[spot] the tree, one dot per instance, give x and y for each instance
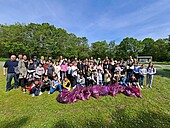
(111, 49)
(129, 46)
(99, 49)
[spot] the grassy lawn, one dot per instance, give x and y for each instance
(18, 110)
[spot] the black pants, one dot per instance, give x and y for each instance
(22, 82)
(43, 88)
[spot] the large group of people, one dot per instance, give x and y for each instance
(38, 76)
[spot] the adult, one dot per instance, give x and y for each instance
(9, 70)
(22, 72)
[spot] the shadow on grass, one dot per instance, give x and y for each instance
(15, 123)
(121, 119)
(163, 72)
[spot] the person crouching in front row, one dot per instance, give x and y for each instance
(56, 85)
(66, 83)
(35, 87)
(46, 84)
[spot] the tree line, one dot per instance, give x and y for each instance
(48, 40)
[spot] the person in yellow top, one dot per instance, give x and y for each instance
(66, 84)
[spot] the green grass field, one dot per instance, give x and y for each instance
(18, 110)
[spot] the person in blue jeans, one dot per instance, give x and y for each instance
(151, 72)
(56, 85)
(9, 70)
(142, 73)
(35, 87)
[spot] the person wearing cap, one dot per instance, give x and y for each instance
(9, 70)
(35, 62)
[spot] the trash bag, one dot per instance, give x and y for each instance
(63, 96)
(84, 93)
(114, 89)
(104, 90)
(87, 93)
(95, 91)
(132, 91)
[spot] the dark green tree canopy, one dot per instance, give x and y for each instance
(48, 40)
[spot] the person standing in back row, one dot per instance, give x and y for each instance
(9, 69)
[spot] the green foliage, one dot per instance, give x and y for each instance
(129, 46)
(45, 39)
(99, 49)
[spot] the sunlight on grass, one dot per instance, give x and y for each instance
(21, 110)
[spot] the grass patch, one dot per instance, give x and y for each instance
(3, 59)
(18, 110)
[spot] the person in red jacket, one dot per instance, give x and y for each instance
(35, 87)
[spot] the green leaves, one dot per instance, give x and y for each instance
(45, 39)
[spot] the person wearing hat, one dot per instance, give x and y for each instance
(35, 62)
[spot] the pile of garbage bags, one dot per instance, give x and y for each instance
(84, 93)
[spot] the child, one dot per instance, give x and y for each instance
(107, 77)
(99, 76)
(142, 73)
(130, 68)
(81, 81)
(30, 73)
(50, 70)
(46, 84)
(123, 80)
(136, 71)
(74, 70)
(66, 84)
(117, 72)
(94, 77)
(134, 82)
(63, 70)
(151, 71)
(56, 85)
(35, 87)
(57, 69)
(40, 70)
(88, 79)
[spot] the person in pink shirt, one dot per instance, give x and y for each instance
(63, 69)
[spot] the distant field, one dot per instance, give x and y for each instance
(18, 110)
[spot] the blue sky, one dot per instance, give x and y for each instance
(95, 19)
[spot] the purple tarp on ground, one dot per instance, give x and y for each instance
(84, 93)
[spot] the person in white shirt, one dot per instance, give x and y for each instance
(142, 73)
(151, 71)
(57, 68)
(74, 70)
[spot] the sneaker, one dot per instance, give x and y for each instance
(33, 95)
(74, 87)
(40, 93)
(49, 92)
(141, 86)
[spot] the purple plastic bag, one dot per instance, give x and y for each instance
(84, 93)
(104, 90)
(62, 97)
(95, 91)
